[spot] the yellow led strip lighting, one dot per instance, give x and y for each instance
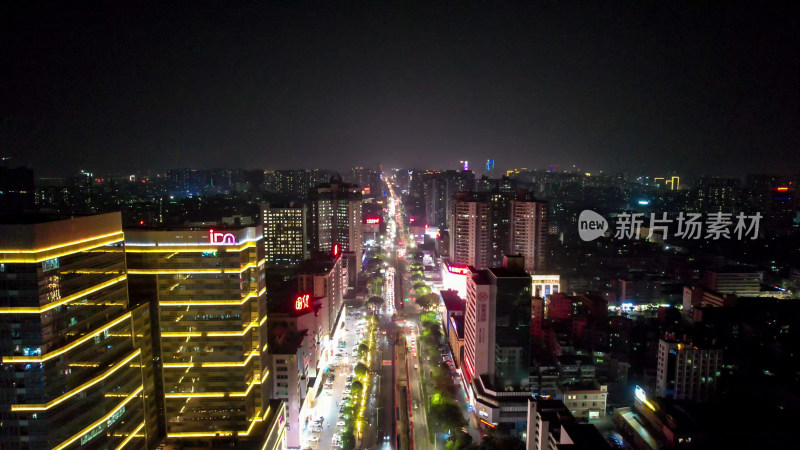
(62, 350)
(91, 427)
(213, 364)
(130, 436)
(233, 333)
(210, 302)
(191, 271)
(252, 421)
(66, 244)
(244, 393)
(193, 435)
(166, 248)
(177, 334)
(49, 306)
(34, 258)
(77, 390)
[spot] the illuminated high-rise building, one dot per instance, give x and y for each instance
(686, 371)
(326, 276)
(497, 347)
(336, 217)
(77, 361)
(485, 226)
(284, 235)
(528, 234)
(470, 230)
(211, 294)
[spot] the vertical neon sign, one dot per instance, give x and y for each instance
(301, 302)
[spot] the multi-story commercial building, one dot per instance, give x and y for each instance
(284, 235)
(451, 305)
(687, 372)
(544, 285)
(288, 363)
(497, 347)
(456, 339)
(511, 293)
(298, 313)
(741, 281)
(498, 312)
(550, 425)
(210, 289)
(336, 223)
(76, 371)
(529, 232)
(325, 276)
(479, 324)
(586, 400)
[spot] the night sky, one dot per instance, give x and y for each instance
(649, 87)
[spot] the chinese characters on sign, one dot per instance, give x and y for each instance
(713, 226)
(301, 302)
(689, 226)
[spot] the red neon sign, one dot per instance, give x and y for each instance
(373, 220)
(301, 302)
(411, 220)
(221, 238)
(782, 189)
(458, 270)
(335, 250)
(488, 423)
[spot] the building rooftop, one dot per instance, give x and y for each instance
(32, 218)
(319, 264)
(452, 302)
(284, 341)
(480, 276)
(505, 272)
(583, 436)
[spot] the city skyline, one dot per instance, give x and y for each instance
(640, 88)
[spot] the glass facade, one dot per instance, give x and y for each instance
(513, 320)
(211, 298)
(71, 374)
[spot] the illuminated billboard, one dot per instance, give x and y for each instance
(221, 238)
(454, 276)
(373, 220)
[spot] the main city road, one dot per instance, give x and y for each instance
(409, 364)
(328, 401)
(420, 367)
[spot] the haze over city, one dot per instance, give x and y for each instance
(399, 225)
(642, 87)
